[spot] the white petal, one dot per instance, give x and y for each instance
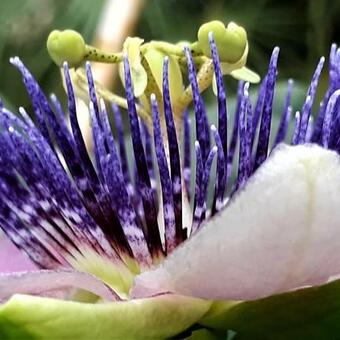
(11, 258)
(47, 282)
(281, 232)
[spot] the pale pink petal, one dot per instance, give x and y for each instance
(12, 259)
(45, 281)
(281, 232)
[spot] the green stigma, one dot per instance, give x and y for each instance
(67, 46)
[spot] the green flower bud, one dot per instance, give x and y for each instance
(67, 46)
(231, 41)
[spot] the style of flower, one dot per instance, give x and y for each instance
(152, 269)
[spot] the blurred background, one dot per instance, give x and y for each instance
(304, 29)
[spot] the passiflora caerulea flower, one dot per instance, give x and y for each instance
(144, 256)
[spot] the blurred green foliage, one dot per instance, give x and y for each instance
(304, 29)
(24, 27)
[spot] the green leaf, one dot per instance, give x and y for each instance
(311, 313)
(30, 317)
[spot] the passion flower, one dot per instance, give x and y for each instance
(121, 257)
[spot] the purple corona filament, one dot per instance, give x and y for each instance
(202, 126)
(187, 152)
(221, 174)
(285, 116)
(234, 135)
(174, 156)
(55, 201)
(266, 116)
(221, 97)
(122, 147)
(167, 185)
